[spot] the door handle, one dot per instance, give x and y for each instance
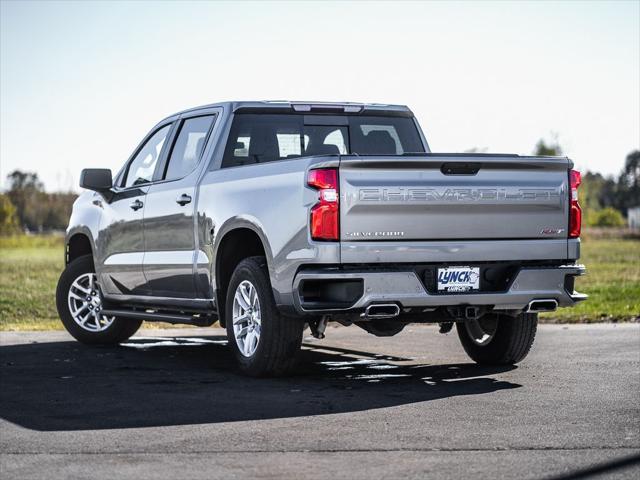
(183, 199)
(136, 205)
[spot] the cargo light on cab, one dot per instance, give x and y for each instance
(324, 221)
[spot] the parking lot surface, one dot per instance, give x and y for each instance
(168, 404)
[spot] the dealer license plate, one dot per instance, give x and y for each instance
(458, 279)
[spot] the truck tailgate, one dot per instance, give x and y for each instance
(462, 197)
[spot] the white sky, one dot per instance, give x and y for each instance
(81, 83)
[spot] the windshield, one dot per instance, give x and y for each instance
(260, 138)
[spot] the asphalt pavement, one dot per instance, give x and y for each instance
(168, 404)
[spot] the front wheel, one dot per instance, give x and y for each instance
(264, 342)
(79, 303)
(498, 339)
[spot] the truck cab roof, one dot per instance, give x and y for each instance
(288, 106)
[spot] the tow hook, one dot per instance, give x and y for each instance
(318, 327)
(466, 312)
(472, 313)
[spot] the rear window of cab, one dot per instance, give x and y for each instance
(261, 138)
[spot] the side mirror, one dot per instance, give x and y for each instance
(97, 179)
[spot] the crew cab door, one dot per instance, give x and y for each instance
(169, 229)
(121, 237)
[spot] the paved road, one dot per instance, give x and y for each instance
(168, 404)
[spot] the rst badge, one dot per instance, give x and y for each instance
(458, 279)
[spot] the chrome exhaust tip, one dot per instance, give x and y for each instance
(545, 305)
(382, 310)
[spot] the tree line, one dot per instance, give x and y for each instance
(604, 200)
(26, 207)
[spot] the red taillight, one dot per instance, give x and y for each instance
(575, 212)
(325, 215)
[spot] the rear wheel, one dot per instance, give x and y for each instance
(79, 303)
(264, 342)
(498, 339)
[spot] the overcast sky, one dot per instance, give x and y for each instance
(81, 83)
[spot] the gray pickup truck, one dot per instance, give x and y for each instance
(271, 217)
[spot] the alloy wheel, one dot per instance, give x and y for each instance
(85, 304)
(247, 318)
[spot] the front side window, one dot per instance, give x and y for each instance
(188, 146)
(141, 168)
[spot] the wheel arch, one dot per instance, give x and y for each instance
(78, 243)
(237, 241)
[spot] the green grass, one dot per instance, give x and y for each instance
(612, 283)
(29, 272)
(30, 267)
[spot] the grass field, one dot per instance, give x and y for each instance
(30, 267)
(612, 283)
(29, 271)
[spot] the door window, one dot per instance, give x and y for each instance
(188, 147)
(141, 168)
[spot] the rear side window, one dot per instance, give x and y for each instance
(188, 147)
(260, 138)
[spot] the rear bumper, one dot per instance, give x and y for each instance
(407, 290)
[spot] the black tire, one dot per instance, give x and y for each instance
(510, 344)
(121, 328)
(280, 336)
